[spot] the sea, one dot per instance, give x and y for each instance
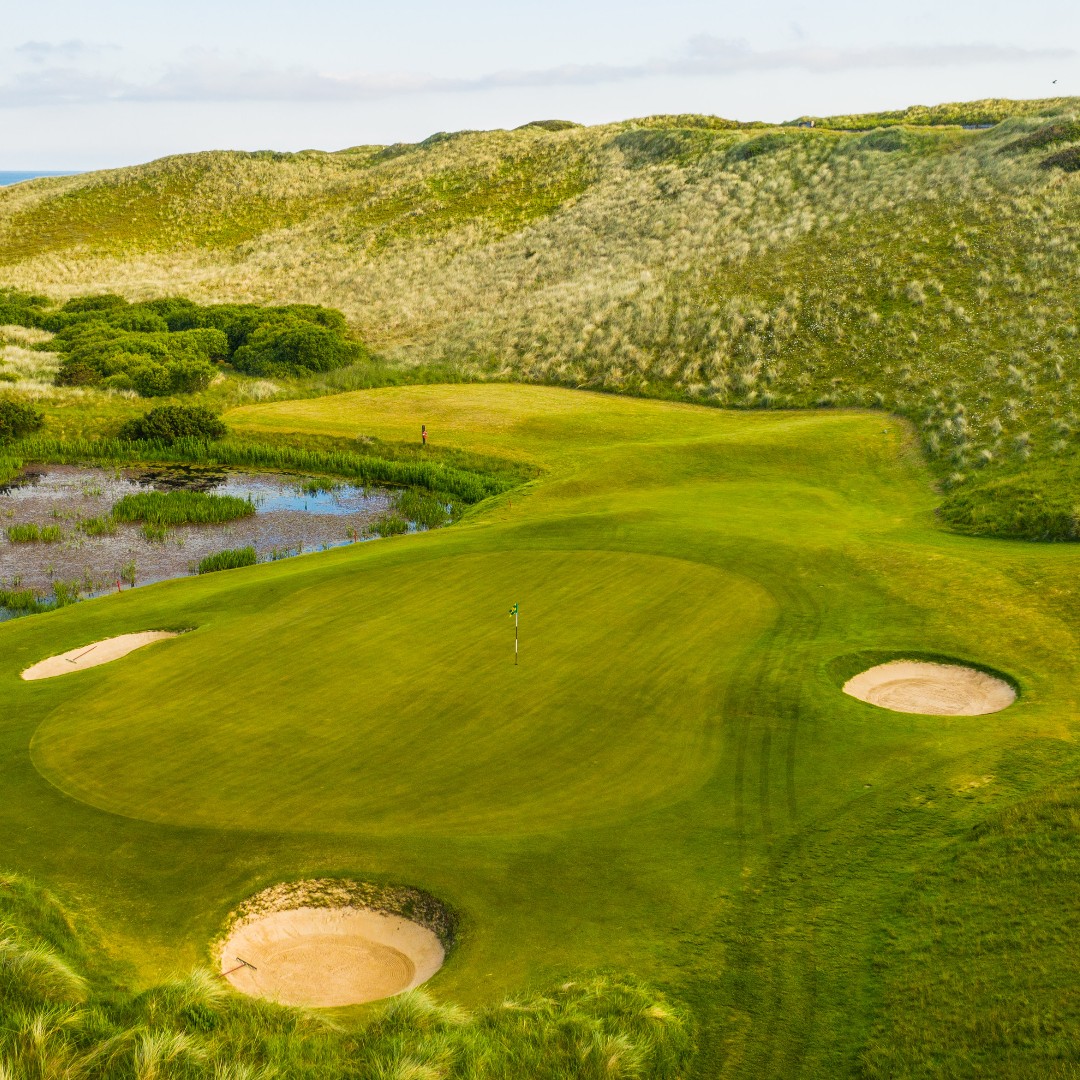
(7, 178)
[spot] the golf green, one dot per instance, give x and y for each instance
(671, 782)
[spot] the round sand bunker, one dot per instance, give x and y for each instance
(321, 944)
(916, 686)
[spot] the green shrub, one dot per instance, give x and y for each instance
(170, 346)
(292, 347)
(167, 423)
(18, 418)
(230, 559)
(21, 309)
(182, 508)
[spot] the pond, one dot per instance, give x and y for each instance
(292, 515)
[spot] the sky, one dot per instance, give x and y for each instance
(117, 82)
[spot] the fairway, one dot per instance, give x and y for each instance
(672, 782)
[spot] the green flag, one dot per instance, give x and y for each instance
(514, 610)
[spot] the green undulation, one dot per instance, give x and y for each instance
(181, 508)
(230, 559)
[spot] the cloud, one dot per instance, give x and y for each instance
(41, 52)
(213, 78)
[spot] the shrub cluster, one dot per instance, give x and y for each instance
(18, 418)
(171, 346)
(167, 423)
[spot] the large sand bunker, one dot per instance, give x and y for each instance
(333, 949)
(87, 656)
(915, 686)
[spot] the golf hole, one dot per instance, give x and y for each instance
(88, 656)
(933, 689)
(322, 944)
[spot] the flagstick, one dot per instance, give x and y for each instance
(515, 636)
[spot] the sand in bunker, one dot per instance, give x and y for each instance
(87, 656)
(931, 689)
(321, 957)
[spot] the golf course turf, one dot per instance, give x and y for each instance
(671, 783)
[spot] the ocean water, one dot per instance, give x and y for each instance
(7, 178)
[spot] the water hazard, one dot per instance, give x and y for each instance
(291, 516)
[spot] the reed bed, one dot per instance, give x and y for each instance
(165, 508)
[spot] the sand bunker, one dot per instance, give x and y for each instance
(87, 656)
(913, 686)
(326, 956)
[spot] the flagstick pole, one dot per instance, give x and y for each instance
(515, 639)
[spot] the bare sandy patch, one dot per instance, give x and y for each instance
(322, 957)
(88, 656)
(915, 686)
(333, 942)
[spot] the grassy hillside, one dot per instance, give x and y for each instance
(671, 786)
(925, 269)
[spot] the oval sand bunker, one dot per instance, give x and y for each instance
(915, 686)
(87, 656)
(326, 956)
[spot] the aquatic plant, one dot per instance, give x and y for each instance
(30, 533)
(104, 525)
(181, 508)
(230, 559)
(154, 532)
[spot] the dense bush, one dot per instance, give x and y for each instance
(170, 346)
(20, 309)
(294, 346)
(167, 423)
(18, 418)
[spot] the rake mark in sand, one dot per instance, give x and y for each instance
(103, 651)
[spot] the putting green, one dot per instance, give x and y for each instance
(399, 703)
